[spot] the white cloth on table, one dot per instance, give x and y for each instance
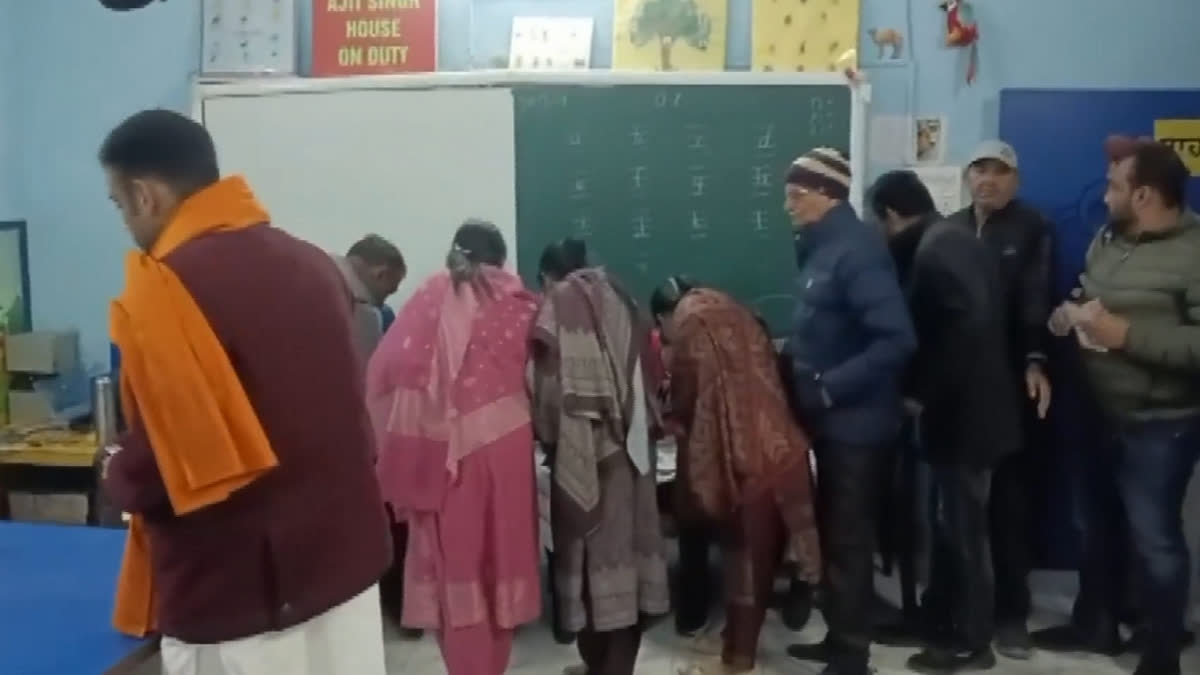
(346, 639)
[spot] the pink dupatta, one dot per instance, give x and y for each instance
(447, 380)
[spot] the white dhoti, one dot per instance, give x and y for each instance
(346, 640)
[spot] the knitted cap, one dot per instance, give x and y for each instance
(823, 170)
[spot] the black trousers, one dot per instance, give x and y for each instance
(1011, 526)
(962, 557)
(849, 490)
(611, 652)
(697, 585)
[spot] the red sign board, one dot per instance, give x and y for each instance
(360, 37)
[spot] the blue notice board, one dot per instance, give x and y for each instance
(1058, 135)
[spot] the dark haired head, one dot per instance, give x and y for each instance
(562, 258)
(1158, 167)
(379, 264)
(153, 161)
(903, 193)
(477, 242)
(664, 298)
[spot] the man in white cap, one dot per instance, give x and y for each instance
(1019, 238)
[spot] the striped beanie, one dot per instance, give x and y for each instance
(823, 170)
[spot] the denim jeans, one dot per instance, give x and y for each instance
(1154, 463)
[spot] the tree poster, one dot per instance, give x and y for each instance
(669, 34)
(813, 35)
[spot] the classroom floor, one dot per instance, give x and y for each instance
(662, 652)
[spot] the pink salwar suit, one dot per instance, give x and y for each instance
(446, 389)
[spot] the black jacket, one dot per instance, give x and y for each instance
(1019, 238)
(961, 372)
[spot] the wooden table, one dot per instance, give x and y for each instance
(49, 467)
(56, 599)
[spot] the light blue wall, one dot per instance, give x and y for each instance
(72, 70)
(10, 72)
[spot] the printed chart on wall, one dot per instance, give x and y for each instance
(658, 183)
(812, 36)
(243, 37)
(362, 37)
(669, 34)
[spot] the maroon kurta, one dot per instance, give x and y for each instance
(310, 534)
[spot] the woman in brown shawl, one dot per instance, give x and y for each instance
(743, 461)
(591, 416)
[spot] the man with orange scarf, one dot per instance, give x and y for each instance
(258, 533)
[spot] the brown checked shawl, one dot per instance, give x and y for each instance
(586, 382)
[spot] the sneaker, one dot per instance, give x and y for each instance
(1069, 638)
(1148, 666)
(817, 652)
(578, 669)
(797, 606)
(939, 661)
(1013, 641)
(708, 643)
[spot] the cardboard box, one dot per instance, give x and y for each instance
(28, 408)
(42, 353)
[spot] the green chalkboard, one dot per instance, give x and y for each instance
(671, 179)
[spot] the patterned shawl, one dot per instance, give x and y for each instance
(588, 345)
(447, 380)
(740, 440)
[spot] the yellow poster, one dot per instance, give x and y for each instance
(669, 34)
(804, 35)
(1184, 136)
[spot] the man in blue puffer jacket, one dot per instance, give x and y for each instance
(850, 344)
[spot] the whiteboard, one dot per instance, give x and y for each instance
(408, 164)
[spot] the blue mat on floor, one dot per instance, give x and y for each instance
(56, 598)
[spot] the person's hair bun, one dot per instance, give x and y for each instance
(575, 251)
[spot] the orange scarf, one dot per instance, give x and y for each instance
(177, 378)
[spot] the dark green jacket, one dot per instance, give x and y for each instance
(1153, 280)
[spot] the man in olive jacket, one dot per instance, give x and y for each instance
(1136, 318)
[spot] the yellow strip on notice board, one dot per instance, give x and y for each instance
(1184, 136)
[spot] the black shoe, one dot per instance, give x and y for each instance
(412, 633)
(939, 661)
(817, 652)
(1013, 641)
(1138, 639)
(904, 634)
(1149, 666)
(690, 629)
(797, 606)
(833, 669)
(1069, 638)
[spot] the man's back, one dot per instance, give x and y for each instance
(311, 533)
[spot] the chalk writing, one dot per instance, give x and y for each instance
(639, 177)
(579, 188)
(638, 135)
(641, 224)
(583, 226)
(665, 100)
(760, 220)
(698, 186)
(575, 138)
(767, 140)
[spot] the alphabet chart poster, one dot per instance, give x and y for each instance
(550, 43)
(245, 37)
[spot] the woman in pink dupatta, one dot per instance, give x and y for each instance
(446, 389)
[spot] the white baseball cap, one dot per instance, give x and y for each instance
(995, 149)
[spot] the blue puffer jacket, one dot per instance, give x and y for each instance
(851, 335)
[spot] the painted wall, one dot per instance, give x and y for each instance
(10, 188)
(85, 68)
